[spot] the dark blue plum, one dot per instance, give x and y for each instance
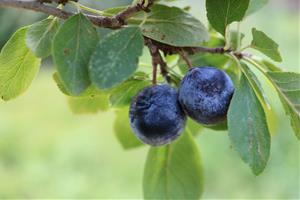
(156, 116)
(205, 94)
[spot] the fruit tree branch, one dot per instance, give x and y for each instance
(35, 6)
(114, 22)
(55, 1)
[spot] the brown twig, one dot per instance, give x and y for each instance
(184, 56)
(154, 73)
(131, 10)
(114, 22)
(169, 50)
(56, 1)
(157, 59)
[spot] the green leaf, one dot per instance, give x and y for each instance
(287, 85)
(235, 39)
(91, 91)
(221, 13)
(255, 5)
(123, 131)
(194, 127)
(90, 101)
(60, 84)
(174, 171)
(88, 104)
(18, 66)
(269, 66)
(215, 39)
(247, 127)
(40, 35)
(218, 127)
(72, 47)
(233, 71)
(254, 82)
(169, 25)
(116, 57)
(124, 93)
(265, 45)
(173, 26)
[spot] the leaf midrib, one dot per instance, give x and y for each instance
(45, 32)
(19, 67)
(290, 104)
(157, 21)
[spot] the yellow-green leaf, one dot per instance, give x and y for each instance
(18, 66)
(265, 45)
(123, 131)
(88, 104)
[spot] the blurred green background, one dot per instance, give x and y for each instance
(47, 152)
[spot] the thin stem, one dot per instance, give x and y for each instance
(185, 58)
(35, 6)
(163, 68)
(157, 59)
(144, 20)
(115, 22)
(154, 73)
(233, 57)
(63, 2)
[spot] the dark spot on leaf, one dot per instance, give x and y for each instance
(163, 37)
(187, 8)
(66, 51)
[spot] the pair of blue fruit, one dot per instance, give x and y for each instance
(158, 113)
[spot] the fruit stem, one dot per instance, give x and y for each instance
(154, 74)
(157, 59)
(184, 56)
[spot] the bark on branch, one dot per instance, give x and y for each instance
(55, 1)
(113, 22)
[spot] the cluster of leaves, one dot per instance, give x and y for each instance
(99, 68)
